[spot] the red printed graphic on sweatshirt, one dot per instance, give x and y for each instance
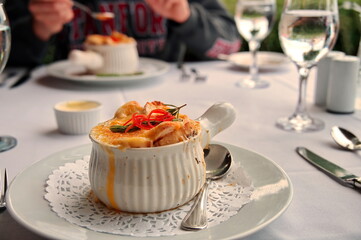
(222, 46)
(141, 19)
(158, 25)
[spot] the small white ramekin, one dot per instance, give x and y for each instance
(78, 116)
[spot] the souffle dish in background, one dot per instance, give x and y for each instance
(116, 54)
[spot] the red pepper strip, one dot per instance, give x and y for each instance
(168, 118)
(129, 128)
(126, 123)
(150, 124)
(140, 121)
(145, 122)
(158, 110)
(150, 116)
(154, 121)
(136, 119)
(161, 116)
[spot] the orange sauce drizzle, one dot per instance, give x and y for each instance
(111, 178)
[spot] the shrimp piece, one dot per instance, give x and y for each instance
(127, 110)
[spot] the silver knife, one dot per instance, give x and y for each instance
(25, 77)
(6, 76)
(336, 171)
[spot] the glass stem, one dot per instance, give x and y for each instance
(301, 103)
(253, 70)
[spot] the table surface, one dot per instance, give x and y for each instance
(321, 208)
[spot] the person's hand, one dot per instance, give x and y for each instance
(176, 10)
(49, 16)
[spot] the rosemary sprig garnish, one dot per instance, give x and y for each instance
(175, 110)
(121, 128)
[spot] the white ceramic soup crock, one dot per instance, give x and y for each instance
(144, 180)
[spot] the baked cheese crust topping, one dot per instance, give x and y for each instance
(113, 39)
(156, 128)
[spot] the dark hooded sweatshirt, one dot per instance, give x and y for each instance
(209, 31)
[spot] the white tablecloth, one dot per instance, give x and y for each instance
(321, 208)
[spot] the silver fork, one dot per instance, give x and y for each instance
(4, 186)
(185, 76)
(198, 76)
(180, 64)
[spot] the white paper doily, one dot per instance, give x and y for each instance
(70, 197)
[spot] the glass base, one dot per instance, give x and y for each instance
(7, 143)
(300, 123)
(250, 83)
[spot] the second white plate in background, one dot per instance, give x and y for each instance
(265, 60)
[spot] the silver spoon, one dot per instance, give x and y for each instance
(345, 138)
(218, 161)
(101, 16)
(199, 77)
(4, 185)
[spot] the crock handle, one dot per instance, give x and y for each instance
(217, 118)
(89, 59)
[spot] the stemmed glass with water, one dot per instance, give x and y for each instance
(6, 142)
(254, 19)
(307, 32)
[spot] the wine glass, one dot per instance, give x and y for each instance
(6, 142)
(307, 32)
(254, 20)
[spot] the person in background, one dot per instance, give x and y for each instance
(46, 30)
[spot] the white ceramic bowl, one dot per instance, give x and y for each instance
(144, 180)
(77, 117)
(121, 58)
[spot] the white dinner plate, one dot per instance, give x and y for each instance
(148, 69)
(265, 60)
(271, 197)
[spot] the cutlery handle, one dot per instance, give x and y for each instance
(357, 183)
(354, 182)
(23, 78)
(83, 7)
(4, 184)
(196, 219)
